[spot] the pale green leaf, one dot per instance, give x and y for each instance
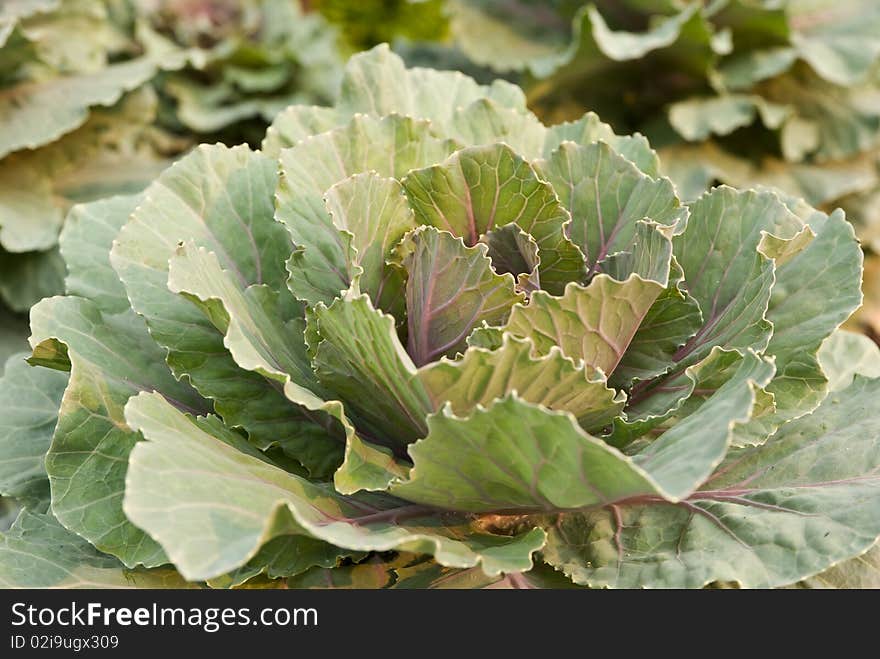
(742, 70)
(653, 402)
(377, 82)
(838, 122)
(772, 515)
(815, 291)
(484, 122)
(36, 113)
(85, 242)
(589, 129)
(362, 361)
(694, 168)
(514, 456)
(75, 36)
(481, 376)
(696, 119)
(840, 41)
(593, 324)
(221, 505)
(209, 108)
(504, 41)
(600, 61)
(846, 354)
(111, 358)
(29, 216)
(262, 329)
(686, 454)
(29, 401)
(118, 150)
(373, 215)
(295, 124)
(649, 255)
(37, 552)
(621, 45)
(606, 196)
(724, 271)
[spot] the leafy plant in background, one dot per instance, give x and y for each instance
(257, 57)
(423, 340)
(782, 93)
(98, 96)
(364, 24)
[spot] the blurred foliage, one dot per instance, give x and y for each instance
(98, 96)
(370, 22)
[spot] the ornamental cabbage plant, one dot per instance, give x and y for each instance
(421, 339)
(97, 97)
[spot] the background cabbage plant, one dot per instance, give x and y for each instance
(99, 96)
(420, 339)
